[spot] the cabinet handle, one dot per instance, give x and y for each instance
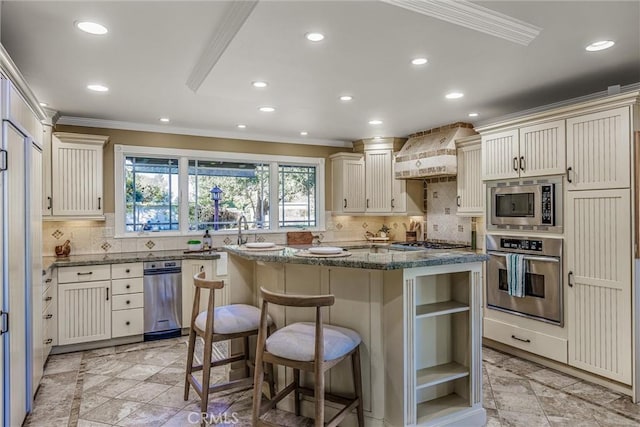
(522, 163)
(128, 302)
(367, 203)
(48, 298)
(458, 201)
(128, 286)
(345, 203)
(515, 164)
(127, 271)
(48, 316)
(570, 279)
(3, 160)
(127, 323)
(520, 339)
(50, 202)
(5, 323)
(107, 294)
(99, 202)
(85, 274)
(48, 341)
(393, 203)
(569, 169)
(48, 281)
(201, 268)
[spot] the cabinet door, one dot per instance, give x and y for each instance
(542, 149)
(378, 181)
(599, 293)
(84, 312)
(352, 185)
(500, 155)
(470, 188)
(77, 178)
(598, 150)
(189, 269)
(398, 193)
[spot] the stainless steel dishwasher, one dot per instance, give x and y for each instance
(162, 299)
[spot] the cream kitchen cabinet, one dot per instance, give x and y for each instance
(534, 150)
(84, 304)
(127, 308)
(599, 150)
(378, 181)
(213, 270)
(470, 197)
(76, 177)
(348, 182)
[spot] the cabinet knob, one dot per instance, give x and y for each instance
(48, 298)
(128, 286)
(48, 281)
(127, 271)
(128, 302)
(127, 323)
(48, 316)
(48, 341)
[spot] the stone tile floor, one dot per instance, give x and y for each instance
(142, 385)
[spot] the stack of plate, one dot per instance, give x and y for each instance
(260, 245)
(325, 250)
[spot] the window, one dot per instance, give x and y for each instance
(151, 194)
(243, 189)
(297, 196)
(182, 192)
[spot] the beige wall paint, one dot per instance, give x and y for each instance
(188, 142)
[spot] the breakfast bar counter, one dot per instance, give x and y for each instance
(418, 313)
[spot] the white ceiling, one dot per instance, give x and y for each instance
(153, 46)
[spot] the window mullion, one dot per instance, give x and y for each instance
(183, 197)
(274, 205)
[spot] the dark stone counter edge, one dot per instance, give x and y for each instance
(124, 257)
(427, 260)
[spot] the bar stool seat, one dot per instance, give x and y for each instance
(232, 319)
(298, 340)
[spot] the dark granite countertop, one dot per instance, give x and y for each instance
(366, 256)
(119, 258)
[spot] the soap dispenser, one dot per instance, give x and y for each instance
(206, 241)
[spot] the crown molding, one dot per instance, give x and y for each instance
(235, 16)
(143, 127)
(473, 16)
(9, 68)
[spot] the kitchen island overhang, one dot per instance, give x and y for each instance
(419, 315)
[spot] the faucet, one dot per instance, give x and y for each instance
(241, 240)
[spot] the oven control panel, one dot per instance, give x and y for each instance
(521, 244)
(547, 192)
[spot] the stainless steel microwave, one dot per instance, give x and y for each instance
(526, 205)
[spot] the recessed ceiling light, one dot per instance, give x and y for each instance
(346, 98)
(92, 28)
(473, 114)
(304, 133)
(314, 37)
(600, 45)
(267, 109)
(375, 122)
(377, 138)
(44, 104)
(259, 84)
(241, 126)
(97, 88)
(164, 119)
(419, 61)
(454, 95)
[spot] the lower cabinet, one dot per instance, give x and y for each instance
(214, 270)
(127, 322)
(85, 312)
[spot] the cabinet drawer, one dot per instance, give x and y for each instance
(50, 327)
(127, 286)
(525, 339)
(128, 322)
(84, 274)
(125, 302)
(123, 271)
(48, 297)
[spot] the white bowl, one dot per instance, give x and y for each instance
(260, 245)
(325, 250)
(193, 247)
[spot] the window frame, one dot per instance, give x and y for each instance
(183, 156)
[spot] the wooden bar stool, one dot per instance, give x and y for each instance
(312, 347)
(220, 324)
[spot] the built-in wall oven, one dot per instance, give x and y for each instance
(525, 205)
(543, 277)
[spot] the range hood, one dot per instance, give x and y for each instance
(431, 153)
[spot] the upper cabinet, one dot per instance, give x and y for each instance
(470, 197)
(76, 177)
(528, 151)
(599, 150)
(364, 183)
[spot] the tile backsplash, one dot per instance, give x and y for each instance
(442, 221)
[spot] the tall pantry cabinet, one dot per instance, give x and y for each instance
(20, 242)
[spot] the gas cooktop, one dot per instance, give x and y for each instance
(434, 245)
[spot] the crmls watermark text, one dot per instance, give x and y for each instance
(211, 419)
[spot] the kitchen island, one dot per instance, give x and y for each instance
(418, 313)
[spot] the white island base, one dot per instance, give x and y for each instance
(421, 330)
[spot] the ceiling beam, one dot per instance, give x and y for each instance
(473, 16)
(231, 22)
